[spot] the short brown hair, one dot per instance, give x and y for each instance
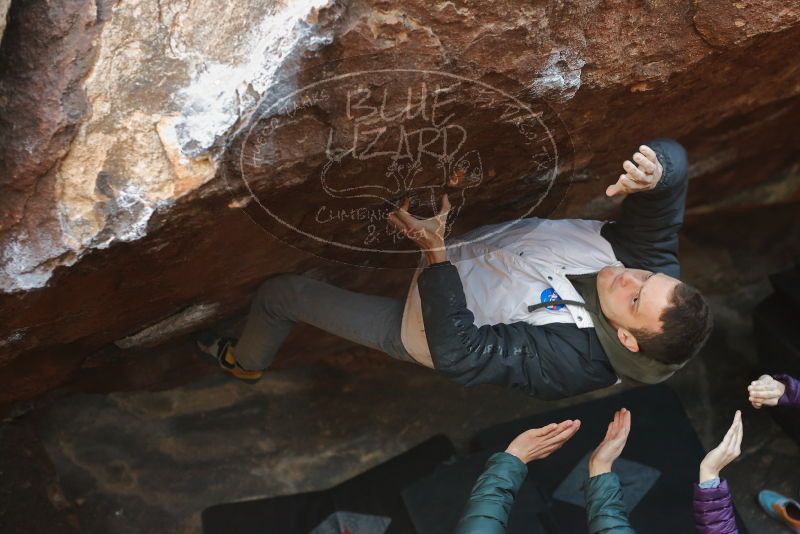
(687, 324)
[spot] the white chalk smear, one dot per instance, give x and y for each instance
(560, 77)
(221, 93)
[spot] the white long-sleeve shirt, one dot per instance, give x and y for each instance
(506, 267)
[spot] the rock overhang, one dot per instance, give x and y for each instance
(125, 177)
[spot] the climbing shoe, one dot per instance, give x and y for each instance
(781, 508)
(219, 350)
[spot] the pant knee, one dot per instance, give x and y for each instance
(278, 290)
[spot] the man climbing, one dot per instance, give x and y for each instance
(553, 307)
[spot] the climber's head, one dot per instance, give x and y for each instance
(654, 314)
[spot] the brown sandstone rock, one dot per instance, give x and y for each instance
(132, 134)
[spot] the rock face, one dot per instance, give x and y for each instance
(152, 152)
(4, 5)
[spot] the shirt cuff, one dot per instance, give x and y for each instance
(445, 262)
(713, 483)
(608, 477)
(508, 457)
(790, 392)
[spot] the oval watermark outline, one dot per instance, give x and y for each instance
(554, 172)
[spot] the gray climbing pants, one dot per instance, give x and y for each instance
(285, 299)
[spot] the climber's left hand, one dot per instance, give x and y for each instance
(428, 234)
(641, 177)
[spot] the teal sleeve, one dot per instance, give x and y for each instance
(493, 495)
(604, 506)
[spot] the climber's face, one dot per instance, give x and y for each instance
(633, 300)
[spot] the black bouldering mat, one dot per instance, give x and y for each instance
(661, 460)
(369, 503)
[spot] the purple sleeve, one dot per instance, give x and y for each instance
(713, 510)
(791, 397)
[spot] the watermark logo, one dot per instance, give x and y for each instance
(330, 153)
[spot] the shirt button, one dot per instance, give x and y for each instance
(580, 318)
(549, 277)
(521, 253)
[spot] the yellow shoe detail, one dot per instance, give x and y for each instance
(230, 359)
(237, 371)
